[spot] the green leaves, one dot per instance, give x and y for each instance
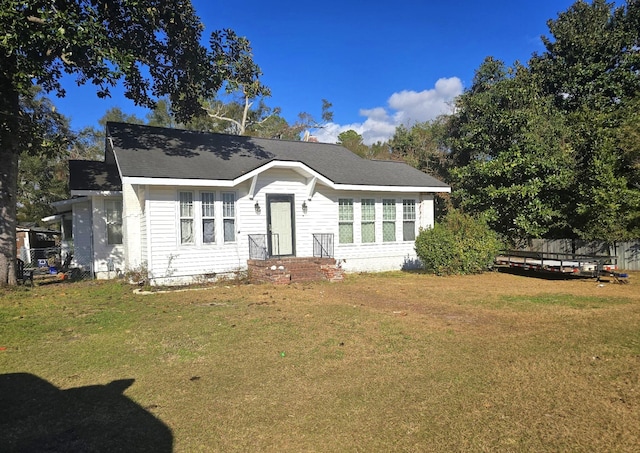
(460, 244)
(422, 146)
(43, 169)
(152, 46)
(233, 58)
(591, 68)
(591, 57)
(353, 142)
(509, 153)
(551, 149)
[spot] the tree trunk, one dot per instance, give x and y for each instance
(9, 152)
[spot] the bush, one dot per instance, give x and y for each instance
(460, 244)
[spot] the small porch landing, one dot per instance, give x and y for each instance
(283, 271)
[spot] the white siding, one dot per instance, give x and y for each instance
(379, 255)
(82, 241)
(105, 253)
(133, 202)
(144, 237)
(171, 262)
(426, 211)
(286, 182)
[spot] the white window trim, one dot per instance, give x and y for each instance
(235, 216)
(193, 218)
(375, 221)
(107, 222)
(352, 222)
(414, 220)
(202, 218)
(198, 217)
(395, 220)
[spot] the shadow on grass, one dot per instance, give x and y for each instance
(36, 416)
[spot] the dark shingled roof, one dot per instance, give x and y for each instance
(153, 152)
(92, 175)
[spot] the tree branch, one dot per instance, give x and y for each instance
(218, 115)
(65, 59)
(36, 20)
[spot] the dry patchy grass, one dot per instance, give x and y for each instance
(388, 362)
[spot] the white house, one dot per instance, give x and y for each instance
(184, 205)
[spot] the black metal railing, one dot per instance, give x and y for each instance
(323, 245)
(258, 247)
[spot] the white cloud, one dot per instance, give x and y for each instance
(406, 107)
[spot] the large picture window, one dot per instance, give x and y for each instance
(186, 218)
(368, 220)
(345, 221)
(408, 220)
(113, 212)
(207, 200)
(229, 216)
(388, 220)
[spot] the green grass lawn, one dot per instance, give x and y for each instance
(388, 362)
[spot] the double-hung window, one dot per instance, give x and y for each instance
(388, 220)
(113, 211)
(229, 216)
(368, 220)
(345, 221)
(408, 220)
(207, 201)
(186, 218)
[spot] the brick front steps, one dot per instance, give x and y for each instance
(290, 270)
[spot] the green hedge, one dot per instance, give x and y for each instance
(460, 244)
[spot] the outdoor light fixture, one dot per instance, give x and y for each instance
(257, 207)
(304, 207)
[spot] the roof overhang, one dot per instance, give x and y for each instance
(96, 193)
(53, 218)
(298, 167)
(65, 205)
(404, 189)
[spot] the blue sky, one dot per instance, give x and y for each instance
(380, 64)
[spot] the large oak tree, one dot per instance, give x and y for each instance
(510, 156)
(549, 149)
(591, 67)
(152, 46)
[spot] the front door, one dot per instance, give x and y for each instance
(280, 225)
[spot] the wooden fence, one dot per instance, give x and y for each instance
(627, 253)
